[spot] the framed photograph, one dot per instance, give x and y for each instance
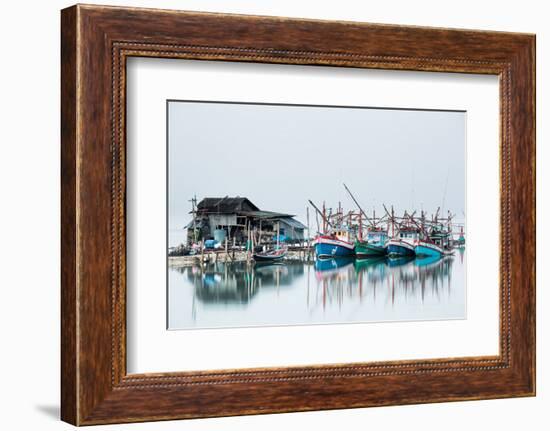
(264, 214)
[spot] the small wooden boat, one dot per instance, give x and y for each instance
(273, 255)
(270, 255)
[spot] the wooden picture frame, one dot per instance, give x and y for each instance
(95, 43)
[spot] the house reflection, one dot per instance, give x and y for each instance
(239, 282)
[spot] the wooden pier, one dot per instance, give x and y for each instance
(231, 255)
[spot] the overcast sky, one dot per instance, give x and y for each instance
(281, 156)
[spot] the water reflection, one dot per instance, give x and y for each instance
(239, 282)
(325, 291)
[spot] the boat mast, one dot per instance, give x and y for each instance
(360, 227)
(392, 222)
(307, 219)
(322, 214)
(358, 206)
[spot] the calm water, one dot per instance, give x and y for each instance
(328, 291)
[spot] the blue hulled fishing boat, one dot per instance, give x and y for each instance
(429, 248)
(335, 244)
(404, 243)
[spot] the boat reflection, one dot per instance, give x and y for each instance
(330, 279)
(334, 290)
(405, 277)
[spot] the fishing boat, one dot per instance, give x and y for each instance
(404, 243)
(373, 246)
(436, 244)
(461, 241)
(375, 243)
(334, 244)
(270, 255)
(334, 239)
(430, 248)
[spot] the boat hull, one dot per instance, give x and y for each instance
(427, 249)
(260, 258)
(400, 248)
(272, 256)
(364, 249)
(328, 247)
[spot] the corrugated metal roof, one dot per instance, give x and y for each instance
(265, 214)
(294, 223)
(242, 206)
(226, 205)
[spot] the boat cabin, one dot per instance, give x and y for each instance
(441, 238)
(377, 236)
(341, 234)
(409, 234)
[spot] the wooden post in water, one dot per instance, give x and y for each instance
(194, 212)
(248, 242)
(277, 280)
(226, 241)
(308, 239)
(260, 234)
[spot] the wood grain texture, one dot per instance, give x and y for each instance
(96, 41)
(69, 366)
